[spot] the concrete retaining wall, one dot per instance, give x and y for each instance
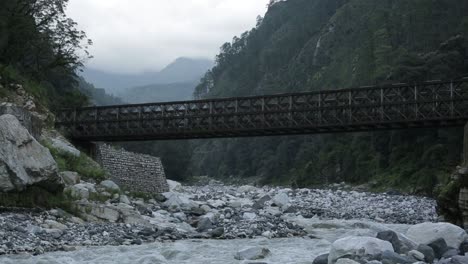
(133, 171)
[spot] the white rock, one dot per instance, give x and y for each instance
(23, 161)
(64, 146)
(174, 186)
(51, 224)
(80, 190)
(249, 216)
(205, 208)
(252, 253)
(178, 200)
(181, 216)
(267, 234)
(110, 186)
(281, 199)
(359, 246)
(247, 188)
(416, 254)
(425, 233)
(235, 204)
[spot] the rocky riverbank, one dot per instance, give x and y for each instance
(205, 212)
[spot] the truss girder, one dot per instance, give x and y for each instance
(369, 108)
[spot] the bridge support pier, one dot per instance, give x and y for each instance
(89, 148)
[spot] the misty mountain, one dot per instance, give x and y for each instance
(182, 70)
(158, 93)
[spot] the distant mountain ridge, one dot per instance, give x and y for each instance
(182, 70)
(158, 93)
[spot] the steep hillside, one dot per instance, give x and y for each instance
(304, 45)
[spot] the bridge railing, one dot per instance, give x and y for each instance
(310, 112)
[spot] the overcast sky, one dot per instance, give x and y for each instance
(133, 36)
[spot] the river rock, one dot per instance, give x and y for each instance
(400, 243)
(281, 199)
(204, 224)
(124, 199)
(174, 186)
(178, 201)
(252, 253)
(70, 177)
(416, 255)
(80, 190)
(455, 260)
(110, 186)
(390, 257)
(54, 225)
(439, 246)
(358, 246)
(346, 261)
(428, 252)
(23, 161)
(425, 233)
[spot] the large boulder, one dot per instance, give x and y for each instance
(23, 161)
(178, 201)
(281, 199)
(426, 233)
(358, 246)
(110, 186)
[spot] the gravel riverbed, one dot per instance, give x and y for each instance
(198, 211)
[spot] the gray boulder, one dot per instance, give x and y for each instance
(390, 257)
(358, 246)
(70, 177)
(80, 190)
(281, 199)
(428, 252)
(64, 146)
(110, 186)
(204, 224)
(252, 253)
(400, 243)
(425, 233)
(439, 246)
(416, 255)
(23, 161)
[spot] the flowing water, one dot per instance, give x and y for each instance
(284, 250)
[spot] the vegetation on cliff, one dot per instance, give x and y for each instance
(41, 48)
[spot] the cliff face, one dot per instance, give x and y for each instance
(304, 45)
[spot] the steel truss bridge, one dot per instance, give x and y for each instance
(429, 104)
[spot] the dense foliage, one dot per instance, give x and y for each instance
(304, 45)
(42, 48)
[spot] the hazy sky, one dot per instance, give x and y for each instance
(144, 35)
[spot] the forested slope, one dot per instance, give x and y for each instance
(305, 45)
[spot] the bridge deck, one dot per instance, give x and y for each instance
(429, 104)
